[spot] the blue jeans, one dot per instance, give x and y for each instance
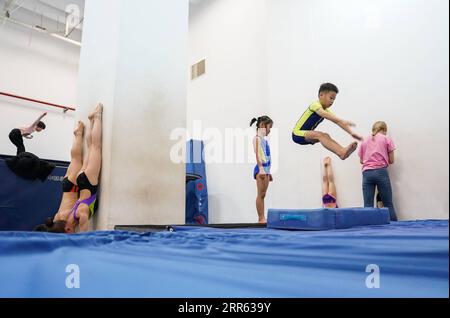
(378, 178)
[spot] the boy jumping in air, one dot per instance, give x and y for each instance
(304, 132)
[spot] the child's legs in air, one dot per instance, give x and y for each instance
(95, 152)
(325, 186)
(330, 177)
(330, 144)
(76, 153)
(88, 138)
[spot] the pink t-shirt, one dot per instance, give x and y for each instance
(374, 152)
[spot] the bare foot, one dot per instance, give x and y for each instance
(350, 150)
(262, 221)
(80, 129)
(97, 112)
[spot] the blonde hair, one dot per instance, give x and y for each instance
(378, 127)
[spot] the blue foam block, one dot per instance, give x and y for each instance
(25, 204)
(326, 219)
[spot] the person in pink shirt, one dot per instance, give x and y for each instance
(16, 135)
(376, 154)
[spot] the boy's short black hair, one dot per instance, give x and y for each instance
(41, 125)
(328, 87)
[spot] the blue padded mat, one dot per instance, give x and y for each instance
(412, 257)
(196, 191)
(326, 219)
(25, 204)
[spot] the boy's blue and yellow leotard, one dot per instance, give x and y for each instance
(308, 122)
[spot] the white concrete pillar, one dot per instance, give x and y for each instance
(134, 60)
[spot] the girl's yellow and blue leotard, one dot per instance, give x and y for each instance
(264, 156)
(308, 122)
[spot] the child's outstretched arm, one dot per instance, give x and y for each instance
(38, 120)
(32, 127)
(345, 125)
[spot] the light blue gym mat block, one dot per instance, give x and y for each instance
(326, 219)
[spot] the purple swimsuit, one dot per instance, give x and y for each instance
(329, 199)
(89, 202)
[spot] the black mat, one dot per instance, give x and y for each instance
(171, 228)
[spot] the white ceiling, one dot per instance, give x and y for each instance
(195, 2)
(51, 9)
(50, 14)
(62, 4)
(47, 14)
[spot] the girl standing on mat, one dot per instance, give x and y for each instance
(261, 172)
(376, 154)
(329, 198)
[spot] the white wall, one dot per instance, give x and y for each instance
(39, 67)
(390, 59)
(231, 36)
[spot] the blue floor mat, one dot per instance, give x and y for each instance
(412, 257)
